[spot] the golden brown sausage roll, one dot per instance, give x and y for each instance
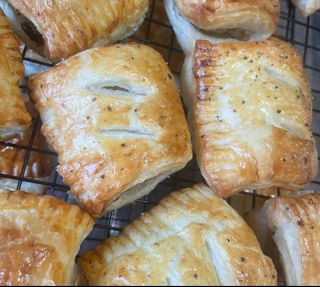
(39, 239)
(192, 238)
(295, 222)
(115, 118)
(59, 29)
(14, 117)
(252, 110)
(307, 7)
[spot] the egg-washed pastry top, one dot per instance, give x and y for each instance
(252, 113)
(115, 118)
(40, 237)
(192, 238)
(59, 29)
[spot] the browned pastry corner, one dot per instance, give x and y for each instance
(39, 166)
(40, 237)
(307, 7)
(59, 29)
(240, 18)
(295, 222)
(252, 116)
(192, 238)
(14, 117)
(115, 118)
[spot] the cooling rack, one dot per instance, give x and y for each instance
(157, 33)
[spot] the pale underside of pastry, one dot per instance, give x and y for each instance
(251, 116)
(295, 222)
(257, 220)
(39, 239)
(60, 29)
(191, 238)
(221, 20)
(115, 118)
(307, 7)
(14, 117)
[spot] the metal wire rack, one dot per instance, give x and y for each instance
(157, 33)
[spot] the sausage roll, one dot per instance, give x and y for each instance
(307, 7)
(251, 108)
(115, 118)
(58, 29)
(222, 20)
(295, 222)
(39, 239)
(14, 117)
(191, 238)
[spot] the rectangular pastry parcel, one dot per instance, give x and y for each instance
(252, 116)
(115, 118)
(59, 29)
(192, 238)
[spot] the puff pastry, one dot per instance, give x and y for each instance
(257, 220)
(307, 7)
(39, 166)
(251, 109)
(39, 239)
(191, 238)
(295, 221)
(222, 20)
(238, 18)
(14, 117)
(59, 29)
(115, 118)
